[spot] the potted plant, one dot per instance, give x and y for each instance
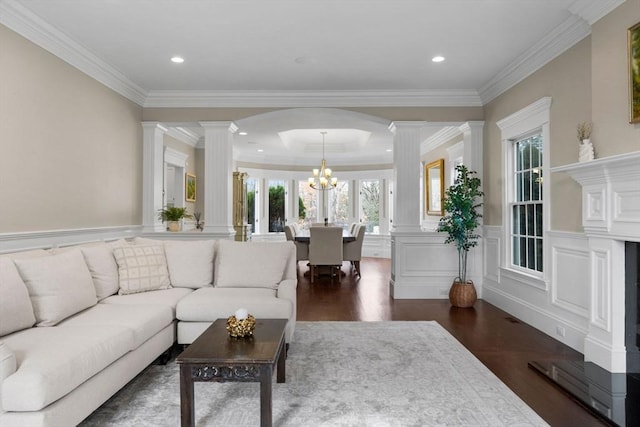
(460, 222)
(172, 215)
(585, 152)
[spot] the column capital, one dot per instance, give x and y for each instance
(220, 125)
(148, 126)
(405, 124)
(471, 126)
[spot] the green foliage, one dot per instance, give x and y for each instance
(370, 199)
(251, 207)
(462, 216)
(302, 210)
(172, 213)
(276, 208)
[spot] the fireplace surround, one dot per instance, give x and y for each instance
(608, 381)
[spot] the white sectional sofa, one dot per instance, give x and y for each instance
(77, 324)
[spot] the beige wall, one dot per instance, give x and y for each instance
(71, 149)
(433, 114)
(588, 82)
(612, 133)
(567, 80)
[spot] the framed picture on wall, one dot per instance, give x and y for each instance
(633, 43)
(434, 187)
(190, 188)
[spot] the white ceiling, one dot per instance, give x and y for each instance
(306, 53)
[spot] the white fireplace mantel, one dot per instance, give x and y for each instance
(610, 216)
(610, 195)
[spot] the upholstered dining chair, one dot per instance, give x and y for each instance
(325, 248)
(352, 251)
(302, 248)
(352, 227)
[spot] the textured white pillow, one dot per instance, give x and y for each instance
(16, 311)
(59, 285)
(103, 268)
(190, 263)
(141, 268)
(250, 265)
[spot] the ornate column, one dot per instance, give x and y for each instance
(473, 144)
(406, 176)
(152, 175)
(218, 177)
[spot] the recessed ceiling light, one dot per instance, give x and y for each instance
(389, 150)
(243, 133)
(437, 58)
(260, 150)
(177, 59)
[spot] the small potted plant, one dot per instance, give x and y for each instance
(460, 222)
(585, 152)
(172, 215)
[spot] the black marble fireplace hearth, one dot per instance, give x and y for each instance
(615, 398)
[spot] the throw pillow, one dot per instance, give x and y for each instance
(190, 263)
(141, 268)
(250, 265)
(103, 268)
(16, 311)
(59, 285)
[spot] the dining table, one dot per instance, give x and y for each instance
(304, 236)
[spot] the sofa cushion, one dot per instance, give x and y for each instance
(143, 320)
(166, 297)
(252, 265)
(16, 311)
(103, 268)
(59, 285)
(190, 262)
(208, 304)
(141, 268)
(54, 361)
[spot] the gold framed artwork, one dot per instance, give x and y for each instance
(633, 48)
(190, 188)
(434, 187)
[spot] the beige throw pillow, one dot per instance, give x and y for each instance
(250, 265)
(59, 285)
(16, 311)
(141, 268)
(190, 262)
(103, 268)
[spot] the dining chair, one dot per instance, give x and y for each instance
(325, 248)
(352, 251)
(352, 227)
(302, 248)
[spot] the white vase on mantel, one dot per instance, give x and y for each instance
(585, 152)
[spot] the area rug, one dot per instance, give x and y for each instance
(340, 374)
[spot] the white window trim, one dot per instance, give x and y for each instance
(532, 118)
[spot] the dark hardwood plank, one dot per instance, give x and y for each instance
(500, 341)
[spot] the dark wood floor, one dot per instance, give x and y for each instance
(503, 343)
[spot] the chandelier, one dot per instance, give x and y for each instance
(322, 179)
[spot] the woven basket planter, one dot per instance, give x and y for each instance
(463, 294)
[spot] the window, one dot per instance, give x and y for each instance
(307, 204)
(276, 206)
(526, 209)
(252, 186)
(370, 205)
(339, 204)
(525, 137)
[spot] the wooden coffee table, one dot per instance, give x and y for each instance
(216, 357)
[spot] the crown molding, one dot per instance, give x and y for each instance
(373, 98)
(33, 28)
(437, 139)
(551, 46)
(183, 135)
(592, 11)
